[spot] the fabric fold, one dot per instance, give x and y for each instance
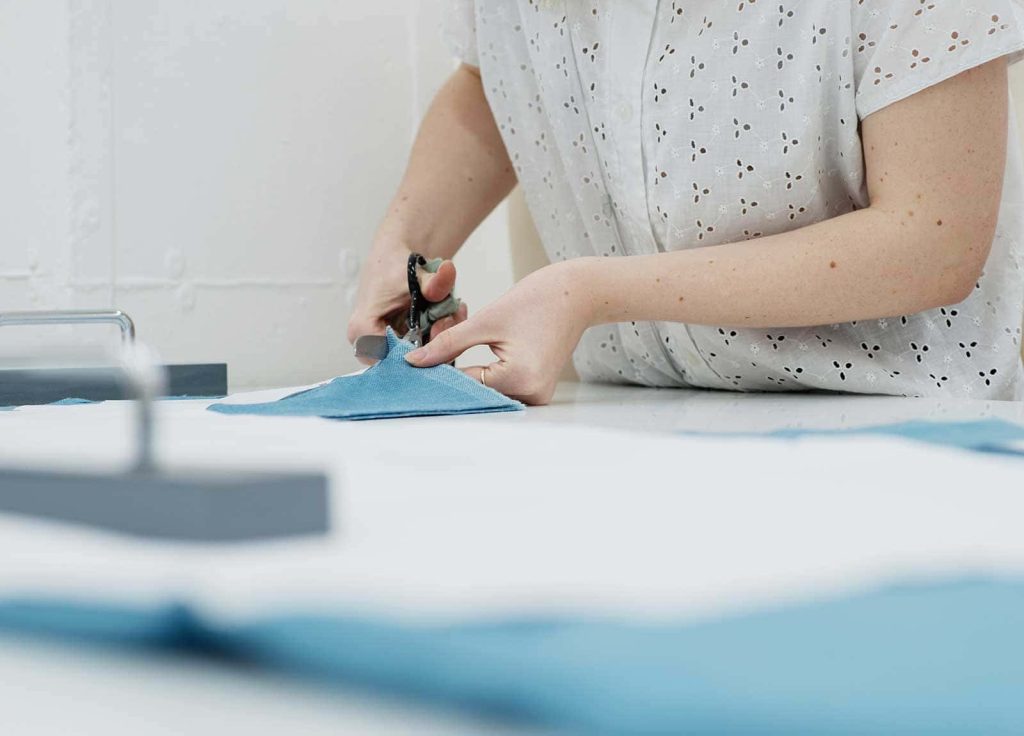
(390, 389)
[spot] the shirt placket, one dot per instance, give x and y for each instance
(629, 44)
(630, 48)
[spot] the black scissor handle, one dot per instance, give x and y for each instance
(417, 302)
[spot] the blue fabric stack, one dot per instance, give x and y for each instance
(944, 659)
(392, 388)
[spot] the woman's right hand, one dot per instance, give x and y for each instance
(382, 299)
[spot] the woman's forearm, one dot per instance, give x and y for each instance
(458, 172)
(935, 164)
(865, 265)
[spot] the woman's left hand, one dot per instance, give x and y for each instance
(533, 330)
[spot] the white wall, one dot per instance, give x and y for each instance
(216, 169)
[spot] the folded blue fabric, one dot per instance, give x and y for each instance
(73, 402)
(984, 435)
(189, 398)
(78, 402)
(942, 659)
(391, 388)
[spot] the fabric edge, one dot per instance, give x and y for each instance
(1013, 52)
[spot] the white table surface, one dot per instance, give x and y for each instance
(536, 457)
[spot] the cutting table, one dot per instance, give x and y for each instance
(600, 504)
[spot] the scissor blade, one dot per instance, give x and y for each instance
(372, 347)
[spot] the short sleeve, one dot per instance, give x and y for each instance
(901, 47)
(458, 27)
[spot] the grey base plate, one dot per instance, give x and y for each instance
(199, 507)
(47, 385)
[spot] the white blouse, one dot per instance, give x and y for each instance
(644, 126)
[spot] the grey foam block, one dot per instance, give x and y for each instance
(198, 507)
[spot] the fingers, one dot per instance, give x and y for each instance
(357, 328)
(446, 323)
(447, 346)
(491, 376)
(360, 325)
(437, 286)
(503, 379)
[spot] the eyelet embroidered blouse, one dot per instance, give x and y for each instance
(646, 126)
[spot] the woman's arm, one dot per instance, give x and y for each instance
(458, 172)
(935, 165)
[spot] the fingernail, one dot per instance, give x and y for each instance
(415, 356)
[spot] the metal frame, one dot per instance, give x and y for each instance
(73, 317)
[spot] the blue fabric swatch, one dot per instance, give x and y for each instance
(77, 402)
(983, 435)
(944, 659)
(73, 402)
(391, 388)
(189, 398)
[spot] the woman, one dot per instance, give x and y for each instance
(745, 195)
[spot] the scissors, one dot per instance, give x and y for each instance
(422, 313)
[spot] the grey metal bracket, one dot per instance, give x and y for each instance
(21, 387)
(158, 503)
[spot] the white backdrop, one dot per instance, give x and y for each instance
(216, 169)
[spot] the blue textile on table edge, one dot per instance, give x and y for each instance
(983, 435)
(938, 659)
(392, 388)
(79, 402)
(62, 402)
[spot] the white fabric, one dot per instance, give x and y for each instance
(513, 515)
(638, 126)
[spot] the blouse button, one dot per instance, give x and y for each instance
(624, 111)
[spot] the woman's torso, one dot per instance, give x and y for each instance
(644, 127)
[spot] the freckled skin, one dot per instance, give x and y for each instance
(458, 172)
(894, 262)
(916, 155)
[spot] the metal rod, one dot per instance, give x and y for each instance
(73, 317)
(143, 378)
